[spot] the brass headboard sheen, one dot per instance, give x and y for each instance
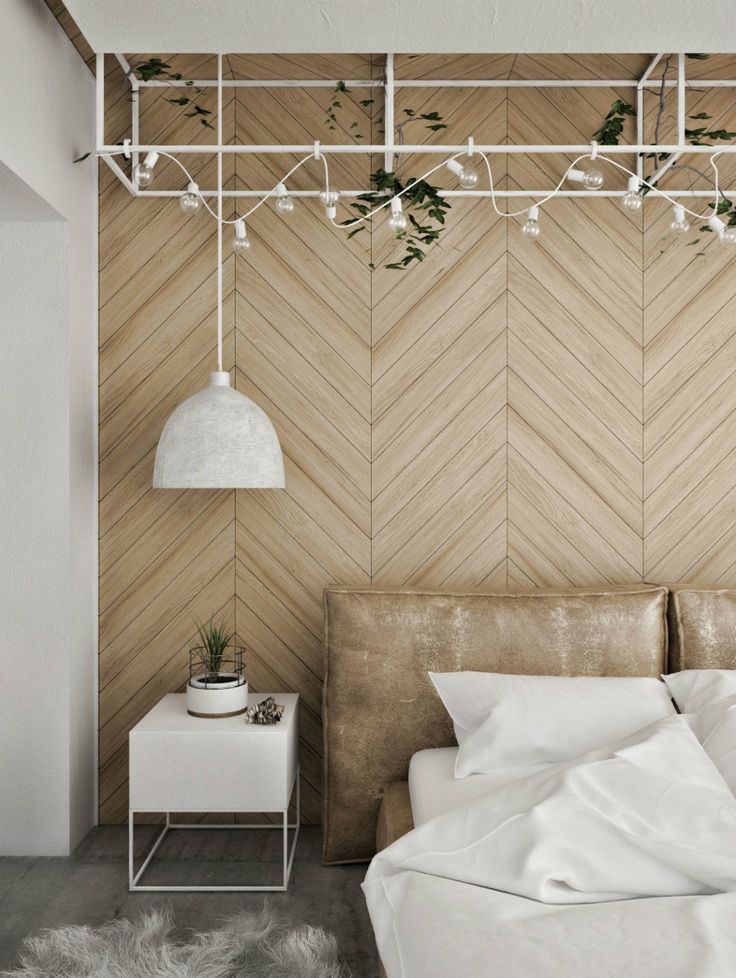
(379, 644)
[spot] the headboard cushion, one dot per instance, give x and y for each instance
(380, 707)
(702, 627)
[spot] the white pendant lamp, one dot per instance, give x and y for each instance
(218, 438)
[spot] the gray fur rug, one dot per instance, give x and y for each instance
(245, 946)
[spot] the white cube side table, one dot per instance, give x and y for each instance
(180, 763)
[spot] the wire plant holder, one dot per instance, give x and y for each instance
(217, 687)
(230, 667)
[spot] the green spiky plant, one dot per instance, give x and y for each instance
(215, 640)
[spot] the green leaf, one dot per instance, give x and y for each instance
(701, 115)
(182, 100)
(698, 57)
(613, 124)
(365, 102)
(81, 159)
(341, 87)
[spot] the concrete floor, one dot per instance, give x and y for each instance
(92, 886)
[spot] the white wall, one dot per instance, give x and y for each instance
(48, 469)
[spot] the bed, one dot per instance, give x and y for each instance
(389, 758)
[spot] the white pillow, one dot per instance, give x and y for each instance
(707, 697)
(504, 721)
(692, 689)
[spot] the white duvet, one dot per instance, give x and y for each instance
(621, 862)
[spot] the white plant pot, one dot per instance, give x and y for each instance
(223, 699)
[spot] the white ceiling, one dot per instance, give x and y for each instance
(408, 26)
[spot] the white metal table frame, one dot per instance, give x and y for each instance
(288, 853)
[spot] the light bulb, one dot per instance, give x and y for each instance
(190, 202)
(680, 224)
(284, 203)
(591, 179)
(397, 222)
(466, 175)
(531, 228)
(330, 198)
(143, 172)
(468, 178)
(727, 235)
(241, 241)
(632, 199)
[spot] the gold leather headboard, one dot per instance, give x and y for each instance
(380, 707)
(702, 627)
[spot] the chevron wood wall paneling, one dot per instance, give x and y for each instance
(506, 414)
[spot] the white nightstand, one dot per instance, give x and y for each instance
(180, 763)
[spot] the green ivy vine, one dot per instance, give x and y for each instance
(423, 204)
(611, 129)
(154, 69)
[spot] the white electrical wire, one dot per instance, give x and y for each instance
(263, 199)
(661, 193)
(539, 203)
(595, 154)
(619, 166)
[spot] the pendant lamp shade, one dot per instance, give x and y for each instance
(218, 439)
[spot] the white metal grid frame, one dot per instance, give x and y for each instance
(134, 875)
(389, 149)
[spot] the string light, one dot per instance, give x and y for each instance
(143, 172)
(330, 199)
(284, 203)
(397, 222)
(466, 175)
(726, 233)
(680, 224)
(591, 179)
(241, 241)
(531, 228)
(632, 199)
(190, 202)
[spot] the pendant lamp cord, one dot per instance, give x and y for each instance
(219, 212)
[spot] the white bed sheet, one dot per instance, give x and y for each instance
(621, 862)
(434, 790)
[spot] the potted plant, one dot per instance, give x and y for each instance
(217, 685)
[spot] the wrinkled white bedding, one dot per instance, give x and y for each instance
(540, 877)
(434, 789)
